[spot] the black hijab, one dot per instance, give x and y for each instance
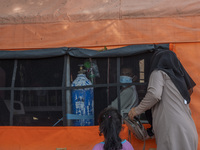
(168, 62)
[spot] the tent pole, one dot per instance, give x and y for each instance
(68, 93)
(118, 84)
(12, 92)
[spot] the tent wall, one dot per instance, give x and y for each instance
(19, 138)
(46, 24)
(100, 33)
(48, 138)
(189, 55)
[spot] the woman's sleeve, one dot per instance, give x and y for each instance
(154, 92)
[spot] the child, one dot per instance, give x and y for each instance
(110, 125)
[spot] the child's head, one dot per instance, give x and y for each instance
(110, 125)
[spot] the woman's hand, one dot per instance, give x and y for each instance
(132, 113)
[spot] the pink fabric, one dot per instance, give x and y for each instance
(125, 146)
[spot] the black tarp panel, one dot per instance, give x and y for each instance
(79, 52)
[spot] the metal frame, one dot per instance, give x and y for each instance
(65, 88)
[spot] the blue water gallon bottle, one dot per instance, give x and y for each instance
(82, 101)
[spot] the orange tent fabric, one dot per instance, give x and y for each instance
(189, 55)
(95, 24)
(87, 23)
(50, 138)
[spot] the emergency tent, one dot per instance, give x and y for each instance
(28, 25)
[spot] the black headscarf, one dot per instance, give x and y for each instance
(168, 62)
